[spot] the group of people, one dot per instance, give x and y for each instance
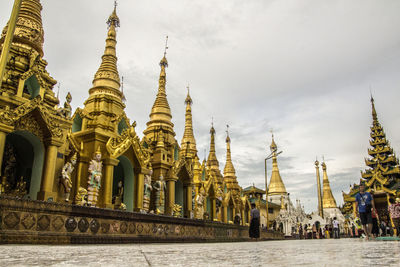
(366, 211)
(314, 231)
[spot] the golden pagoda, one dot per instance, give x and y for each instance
(103, 125)
(276, 187)
(33, 128)
(382, 177)
(328, 201)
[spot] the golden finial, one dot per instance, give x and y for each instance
(228, 139)
(113, 19)
(188, 100)
(74, 157)
(166, 46)
(164, 62)
(316, 162)
(98, 151)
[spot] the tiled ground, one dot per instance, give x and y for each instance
(342, 252)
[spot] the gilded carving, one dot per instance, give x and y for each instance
(11, 220)
(94, 226)
(83, 225)
(124, 227)
(28, 221)
(43, 223)
(30, 124)
(132, 228)
(105, 228)
(70, 224)
(58, 223)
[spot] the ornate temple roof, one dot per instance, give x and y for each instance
(29, 29)
(276, 185)
(328, 201)
(188, 143)
(383, 172)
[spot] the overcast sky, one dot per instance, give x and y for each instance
(302, 68)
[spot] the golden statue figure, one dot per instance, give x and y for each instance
(66, 177)
(200, 204)
(94, 181)
(147, 191)
(80, 198)
(160, 188)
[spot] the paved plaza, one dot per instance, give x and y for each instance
(342, 252)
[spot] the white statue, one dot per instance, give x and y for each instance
(160, 188)
(94, 181)
(147, 191)
(66, 177)
(200, 204)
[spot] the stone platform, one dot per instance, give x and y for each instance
(39, 222)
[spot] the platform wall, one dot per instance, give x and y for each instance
(38, 222)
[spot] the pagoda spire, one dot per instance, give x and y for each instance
(276, 185)
(212, 160)
(105, 102)
(229, 171)
(160, 115)
(107, 80)
(328, 201)
(188, 144)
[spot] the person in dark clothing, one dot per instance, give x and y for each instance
(364, 205)
(254, 230)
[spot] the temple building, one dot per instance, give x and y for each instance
(94, 156)
(382, 176)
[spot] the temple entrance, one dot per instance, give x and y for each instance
(179, 196)
(381, 206)
(123, 172)
(211, 208)
(22, 165)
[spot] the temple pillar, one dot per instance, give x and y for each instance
(139, 192)
(170, 199)
(46, 187)
(81, 173)
(214, 208)
(188, 210)
(2, 145)
(4, 130)
(242, 215)
(225, 213)
(107, 183)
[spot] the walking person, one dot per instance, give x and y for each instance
(375, 227)
(254, 230)
(335, 223)
(394, 211)
(364, 202)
